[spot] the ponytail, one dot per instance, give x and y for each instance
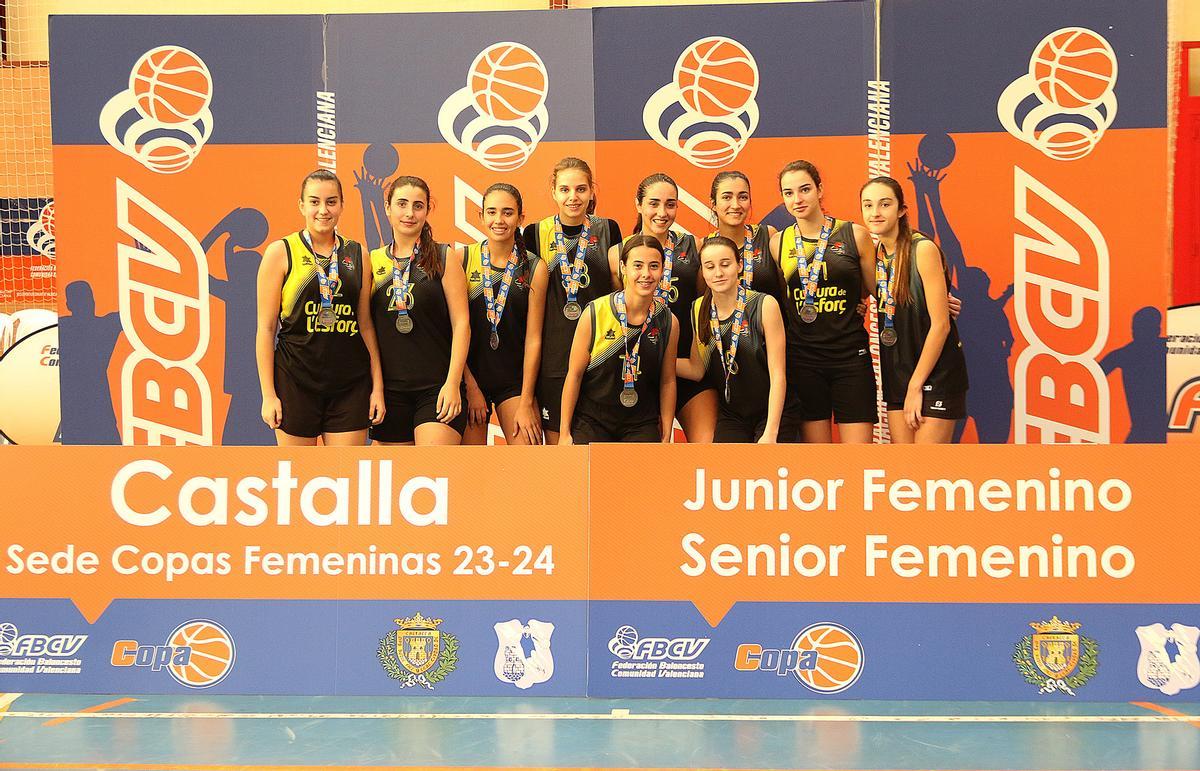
(519, 242)
(429, 256)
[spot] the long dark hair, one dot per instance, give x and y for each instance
(653, 179)
(518, 238)
(902, 264)
(578, 164)
(703, 333)
(429, 254)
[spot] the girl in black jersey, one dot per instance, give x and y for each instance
(498, 273)
(318, 361)
(657, 201)
(738, 345)
(573, 269)
(922, 366)
(828, 268)
(729, 198)
(621, 383)
(419, 303)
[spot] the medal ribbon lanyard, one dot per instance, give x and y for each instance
(400, 279)
(885, 293)
(629, 366)
(810, 273)
(495, 307)
(571, 273)
(664, 286)
(329, 282)
(728, 358)
(748, 256)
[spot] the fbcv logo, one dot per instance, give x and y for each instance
(13, 643)
(198, 654)
(627, 645)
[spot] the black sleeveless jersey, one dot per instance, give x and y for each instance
(420, 359)
(897, 362)
(503, 367)
(837, 334)
(557, 330)
(685, 279)
(750, 387)
(318, 358)
(767, 277)
(600, 392)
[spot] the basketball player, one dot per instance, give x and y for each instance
(498, 276)
(419, 303)
(921, 358)
(828, 267)
(729, 198)
(318, 361)
(573, 270)
(738, 345)
(657, 202)
(621, 383)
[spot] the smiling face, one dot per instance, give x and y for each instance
(572, 193)
(881, 210)
(407, 210)
(321, 205)
(501, 215)
(801, 195)
(731, 203)
(658, 208)
(721, 267)
(643, 270)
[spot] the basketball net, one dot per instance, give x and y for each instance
(27, 267)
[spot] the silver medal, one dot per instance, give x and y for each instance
(494, 340)
(404, 323)
(808, 314)
(326, 317)
(573, 310)
(629, 397)
(888, 336)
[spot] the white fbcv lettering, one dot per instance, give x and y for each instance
(162, 286)
(1062, 310)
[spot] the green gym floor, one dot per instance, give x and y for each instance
(39, 731)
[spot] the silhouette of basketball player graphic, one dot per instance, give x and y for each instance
(86, 343)
(983, 328)
(246, 230)
(380, 161)
(1143, 365)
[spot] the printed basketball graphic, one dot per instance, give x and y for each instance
(500, 115)
(165, 155)
(716, 77)
(212, 656)
(162, 119)
(839, 657)
(1067, 100)
(171, 85)
(46, 218)
(1073, 68)
(706, 112)
(508, 81)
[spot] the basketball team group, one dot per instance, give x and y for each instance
(571, 332)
